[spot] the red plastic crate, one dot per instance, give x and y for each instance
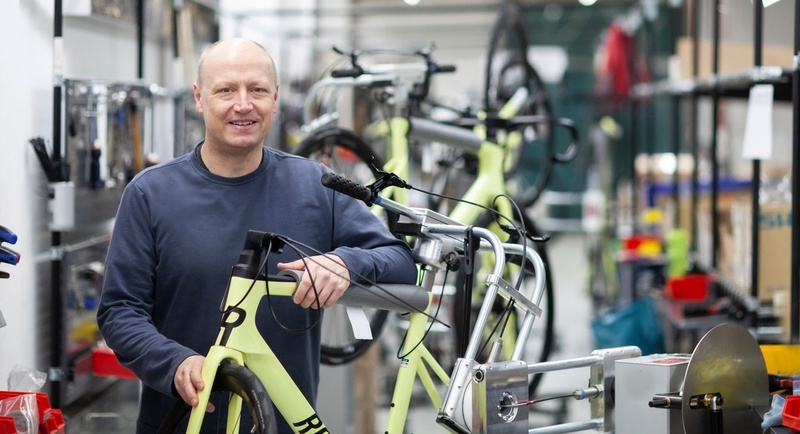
(692, 287)
(55, 423)
(105, 364)
(7, 425)
(42, 402)
(791, 413)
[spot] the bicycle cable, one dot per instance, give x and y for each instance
(293, 245)
(430, 326)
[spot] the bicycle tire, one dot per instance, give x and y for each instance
(548, 337)
(348, 155)
(508, 69)
(231, 379)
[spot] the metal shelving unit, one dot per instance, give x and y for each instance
(737, 85)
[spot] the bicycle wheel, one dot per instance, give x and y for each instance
(542, 333)
(347, 155)
(342, 151)
(231, 379)
(529, 152)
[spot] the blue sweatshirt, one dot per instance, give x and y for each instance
(179, 230)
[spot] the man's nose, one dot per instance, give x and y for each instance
(243, 103)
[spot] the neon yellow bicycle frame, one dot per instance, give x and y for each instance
(240, 342)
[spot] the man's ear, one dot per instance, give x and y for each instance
(275, 106)
(197, 106)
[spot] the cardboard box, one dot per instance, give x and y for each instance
(733, 57)
(775, 250)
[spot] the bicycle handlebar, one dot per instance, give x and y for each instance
(386, 296)
(518, 122)
(414, 78)
(348, 187)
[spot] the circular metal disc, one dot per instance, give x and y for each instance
(727, 360)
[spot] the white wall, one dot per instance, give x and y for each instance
(93, 48)
(25, 111)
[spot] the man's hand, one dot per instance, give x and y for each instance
(329, 274)
(188, 380)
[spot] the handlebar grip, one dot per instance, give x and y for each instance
(7, 236)
(347, 72)
(343, 185)
(8, 256)
(444, 68)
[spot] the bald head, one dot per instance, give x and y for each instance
(229, 49)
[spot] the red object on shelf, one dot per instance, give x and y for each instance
(105, 364)
(791, 413)
(7, 425)
(635, 241)
(55, 423)
(51, 421)
(692, 287)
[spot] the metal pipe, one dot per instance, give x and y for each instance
(538, 292)
(559, 365)
(794, 327)
(140, 39)
(695, 148)
(714, 138)
(57, 333)
(755, 209)
(569, 427)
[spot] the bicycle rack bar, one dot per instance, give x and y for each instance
(493, 286)
(601, 375)
(569, 427)
(535, 299)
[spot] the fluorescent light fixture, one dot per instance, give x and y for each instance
(768, 3)
(587, 2)
(412, 2)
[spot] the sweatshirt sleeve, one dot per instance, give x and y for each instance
(367, 247)
(125, 311)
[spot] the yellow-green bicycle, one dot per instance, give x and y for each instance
(253, 384)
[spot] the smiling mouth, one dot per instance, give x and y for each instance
(242, 123)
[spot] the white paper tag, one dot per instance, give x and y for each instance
(757, 143)
(359, 322)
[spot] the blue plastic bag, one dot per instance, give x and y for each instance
(633, 324)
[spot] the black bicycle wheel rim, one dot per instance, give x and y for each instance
(507, 68)
(331, 146)
(231, 379)
(342, 151)
(508, 44)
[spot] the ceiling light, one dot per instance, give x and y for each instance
(587, 2)
(412, 2)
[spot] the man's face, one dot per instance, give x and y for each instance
(237, 94)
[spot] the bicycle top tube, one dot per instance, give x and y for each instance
(464, 139)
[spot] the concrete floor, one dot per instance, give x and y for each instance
(117, 411)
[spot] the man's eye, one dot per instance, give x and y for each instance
(259, 90)
(226, 90)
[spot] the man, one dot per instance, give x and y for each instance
(181, 226)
